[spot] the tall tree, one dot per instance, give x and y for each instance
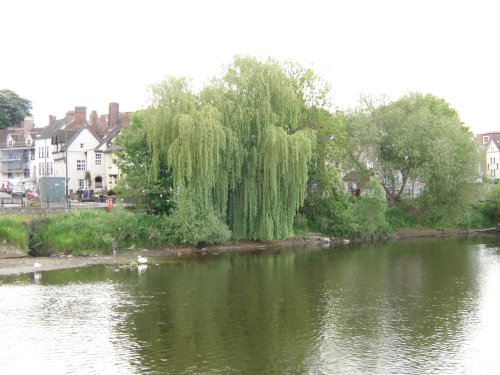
(260, 102)
(13, 109)
(418, 137)
(152, 194)
(237, 147)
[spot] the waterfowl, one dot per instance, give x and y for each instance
(141, 260)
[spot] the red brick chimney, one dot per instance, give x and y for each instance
(114, 115)
(125, 120)
(27, 124)
(80, 116)
(52, 119)
(70, 117)
(102, 124)
(93, 120)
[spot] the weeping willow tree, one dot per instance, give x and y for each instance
(236, 147)
(205, 156)
(261, 104)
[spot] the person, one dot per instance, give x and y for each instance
(79, 193)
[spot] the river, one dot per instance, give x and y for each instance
(412, 307)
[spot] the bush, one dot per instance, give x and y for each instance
(189, 224)
(90, 231)
(492, 205)
(13, 232)
(368, 211)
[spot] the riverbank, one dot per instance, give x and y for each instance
(13, 262)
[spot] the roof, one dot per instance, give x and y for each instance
(18, 135)
(357, 176)
(67, 136)
(113, 148)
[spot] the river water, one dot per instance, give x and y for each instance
(426, 306)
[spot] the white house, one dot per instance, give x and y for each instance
(493, 160)
(44, 160)
(74, 156)
(105, 158)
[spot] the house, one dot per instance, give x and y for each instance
(105, 157)
(84, 152)
(492, 153)
(484, 139)
(17, 152)
(44, 160)
(71, 150)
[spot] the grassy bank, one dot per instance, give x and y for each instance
(14, 232)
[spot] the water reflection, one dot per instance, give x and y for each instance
(426, 306)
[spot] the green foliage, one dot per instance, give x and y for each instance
(86, 231)
(191, 224)
(368, 211)
(13, 109)
(418, 138)
(151, 193)
(13, 232)
(492, 205)
(330, 215)
(405, 215)
(236, 147)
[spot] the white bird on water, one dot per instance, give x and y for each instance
(141, 260)
(37, 265)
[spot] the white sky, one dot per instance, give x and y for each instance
(64, 53)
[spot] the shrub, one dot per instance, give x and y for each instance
(86, 231)
(368, 212)
(189, 224)
(13, 232)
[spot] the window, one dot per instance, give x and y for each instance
(80, 165)
(98, 158)
(81, 145)
(47, 151)
(40, 152)
(486, 139)
(80, 183)
(28, 142)
(10, 143)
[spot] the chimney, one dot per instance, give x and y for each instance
(70, 117)
(52, 119)
(80, 116)
(125, 121)
(27, 123)
(102, 124)
(93, 120)
(114, 115)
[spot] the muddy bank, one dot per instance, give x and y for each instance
(13, 261)
(18, 262)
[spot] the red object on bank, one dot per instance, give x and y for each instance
(110, 203)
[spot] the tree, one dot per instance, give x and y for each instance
(13, 109)
(236, 147)
(152, 194)
(261, 103)
(418, 138)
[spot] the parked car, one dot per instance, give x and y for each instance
(18, 191)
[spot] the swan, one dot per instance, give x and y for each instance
(37, 265)
(141, 260)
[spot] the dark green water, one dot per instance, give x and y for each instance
(427, 306)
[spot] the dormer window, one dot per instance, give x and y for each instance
(28, 142)
(486, 139)
(11, 143)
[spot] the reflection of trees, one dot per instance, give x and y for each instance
(362, 307)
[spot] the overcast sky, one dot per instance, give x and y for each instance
(61, 53)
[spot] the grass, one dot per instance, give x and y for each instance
(13, 231)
